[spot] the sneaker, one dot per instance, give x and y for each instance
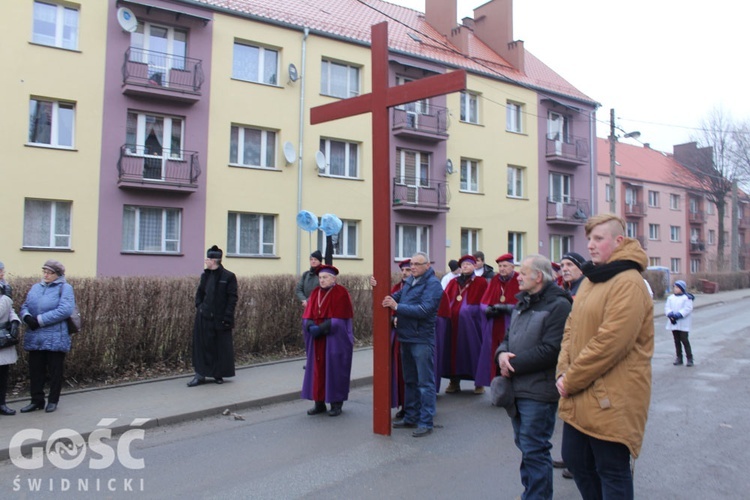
(677, 361)
(422, 432)
(689, 363)
(479, 390)
(558, 464)
(567, 474)
(453, 387)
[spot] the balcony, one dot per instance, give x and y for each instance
(420, 196)
(430, 126)
(146, 73)
(696, 217)
(634, 209)
(697, 247)
(572, 211)
(175, 171)
(571, 152)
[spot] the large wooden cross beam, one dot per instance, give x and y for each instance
(377, 102)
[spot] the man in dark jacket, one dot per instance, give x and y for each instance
(528, 356)
(416, 306)
(215, 301)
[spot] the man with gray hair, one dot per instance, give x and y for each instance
(5, 288)
(528, 357)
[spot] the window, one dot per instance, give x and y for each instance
(559, 188)
(413, 169)
(251, 234)
(515, 246)
(674, 233)
(693, 205)
(674, 201)
(608, 192)
(163, 48)
(46, 224)
(153, 230)
(413, 108)
(631, 196)
(469, 241)
(252, 147)
(631, 229)
(469, 107)
(653, 198)
(695, 235)
(674, 265)
(695, 265)
(156, 138)
(710, 208)
(255, 64)
(342, 158)
(654, 261)
(557, 127)
(55, 25)
(513, 117)
(411, 239)
(339, 79)
(470, 176)
(346, 245)
(559, 246)
(653, 231)
(711, 236)
(515, 182)
(51, 123)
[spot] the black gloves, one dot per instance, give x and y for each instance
(319, 330)
(498, 310)
(31, 322)
(14, 328)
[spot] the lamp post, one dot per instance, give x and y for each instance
(613, 160)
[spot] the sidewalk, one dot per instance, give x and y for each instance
(168, 400)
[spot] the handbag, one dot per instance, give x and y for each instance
(74, 322)
(7, 338)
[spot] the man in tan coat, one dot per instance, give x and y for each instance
(604, 367)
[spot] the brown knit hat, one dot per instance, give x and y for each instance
(55, 266)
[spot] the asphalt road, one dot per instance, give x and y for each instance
(696, 443)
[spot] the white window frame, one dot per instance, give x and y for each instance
(350, 167)
(695, 266)
(516, 182)
(168, 244)
(351, 88)
(60, 40)
(558, 127)
(266, 245)
(514, 117)
(674, 233)
(674, 201)
(631, 229)
(559, 245)
(607, 192)
(653, 199)
(711, 236)
(470, 107)
(516, 246)
(261, 76)
(421, 107)
(267, 146)
(469, 241)
(654, 231)
(674, 265)
(422, 239)
(58, 235)
(348, 240)
(469, 176)
(160, 59)
(422, 169)
(59, 122)
(654, 261)
(710, 208)
(560, 187)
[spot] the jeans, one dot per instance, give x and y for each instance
(533, 426)
(680, 339)
(601, 469)
(418, 364)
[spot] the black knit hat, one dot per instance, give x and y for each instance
(214, 253)
(317, 255)
(575, 258)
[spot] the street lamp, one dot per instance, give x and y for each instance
(612, 161)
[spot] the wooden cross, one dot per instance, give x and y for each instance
(377, 102)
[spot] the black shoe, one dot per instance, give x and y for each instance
(32, 407)
(6, 410)
(51, 407)
(334, 411)
(400, 424)
(319, 408)
(218, 380)
(689, 363)
(422, 432)
(400, 414)
(196, 381)
(558, 464)
(677, 361)
(567, 474)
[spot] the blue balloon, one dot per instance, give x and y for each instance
(307, 221)
(330, 224)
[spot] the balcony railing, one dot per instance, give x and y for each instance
(573, 151)
(161, 74)
(570, 211)
(697, 246)
(419, 195)
(635, 209)
(431, 125)
(175, 170)
(696, 217)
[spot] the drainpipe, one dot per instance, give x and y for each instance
(592, 160)
(302, 79)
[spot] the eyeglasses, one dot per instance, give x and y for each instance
(418, 264)
(46, 272)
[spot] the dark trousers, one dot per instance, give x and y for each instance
(681, 339)
(3, 382)
(601, 469)
(41, 365)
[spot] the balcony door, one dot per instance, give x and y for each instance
(156, 139)
(163, 48)
(413, 172)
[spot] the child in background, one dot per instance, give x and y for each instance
(678, 309)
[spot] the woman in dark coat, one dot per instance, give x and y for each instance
(215, 302)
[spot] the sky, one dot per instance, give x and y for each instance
(663, 65)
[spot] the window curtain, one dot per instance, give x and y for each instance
(40, 122)
(37, 220)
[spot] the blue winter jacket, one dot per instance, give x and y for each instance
(417, 309)
(51, 308)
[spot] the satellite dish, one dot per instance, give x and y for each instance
(320, 161)
(449, 166)
(293, 75)
(289, 154)
(127, 19)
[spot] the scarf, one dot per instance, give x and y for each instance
(605, 272)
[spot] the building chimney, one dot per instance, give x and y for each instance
(493, 24)
(441, 15)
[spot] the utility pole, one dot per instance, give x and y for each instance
(612, 163)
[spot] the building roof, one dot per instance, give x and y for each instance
(352, 19)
